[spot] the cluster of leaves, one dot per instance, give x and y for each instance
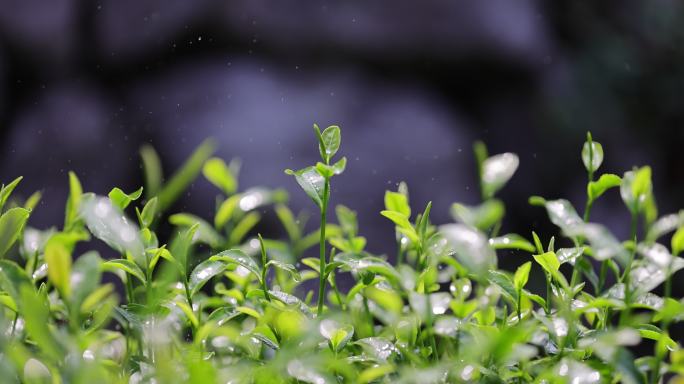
(215, 303)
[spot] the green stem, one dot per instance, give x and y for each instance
(324, 211)
(626, 275)
(264, 269)
(548, 294)
(428, 326)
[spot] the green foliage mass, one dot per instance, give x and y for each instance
(216, 302)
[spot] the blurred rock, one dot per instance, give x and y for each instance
(44, 30)
(67, 128)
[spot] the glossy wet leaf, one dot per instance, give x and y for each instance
(219, 173)
(482, 216)
(592, 155)
(235, 256)
(289, 268)
(122, 199)
(378, 348)
(311, 182)
(563, 214)
(106, 222)
(503, 281)
(569, 255)
(11, 225)
(604, 245)
(511, 241)
(496, 171)
(258, 197)
(125, 265)
(338, 335)
(361, 263)
(37, 317)
(635, 188)
(266, 336)
(203, 272)
(664, 225)
(471, 247)
(329, 141)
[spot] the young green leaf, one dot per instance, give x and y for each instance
(226, 210)
(592, 154)
(148, 213)
(548, 261)
(511, 241)
(521, 275)
(6, 191)
(483, 216)
(185, 175)
(236, 256)
(205, 232)
(84, 277)
(106, 222)
(58, 259)
(73, 201)
(218, 173)
(496, 171)
(635, 188)
(597, 188)
(337, 335)
(329, 142)
(311, 181)
(471, 247)
(397, 202)
(152, 170)
(203, 272)
(678, 241)
(12, 224)
(125, 265)
(121, 199)
(285, 267)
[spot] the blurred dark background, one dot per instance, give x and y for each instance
(84, 84)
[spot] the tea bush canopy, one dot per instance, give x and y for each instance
(217, 302)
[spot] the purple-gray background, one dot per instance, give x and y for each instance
(412, 83)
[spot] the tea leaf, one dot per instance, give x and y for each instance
(235, 256)
(121, 199)
(106, 222)
(6, 191)
(597, 188)
(203, 272)
(125, 265)
(496, 171)
(311, 181)
(471, 247)
(592, 155)
(185, 175)
(11, 225)
(218, 173)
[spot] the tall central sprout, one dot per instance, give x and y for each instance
(315, 181)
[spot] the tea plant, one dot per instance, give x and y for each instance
(217, 302)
